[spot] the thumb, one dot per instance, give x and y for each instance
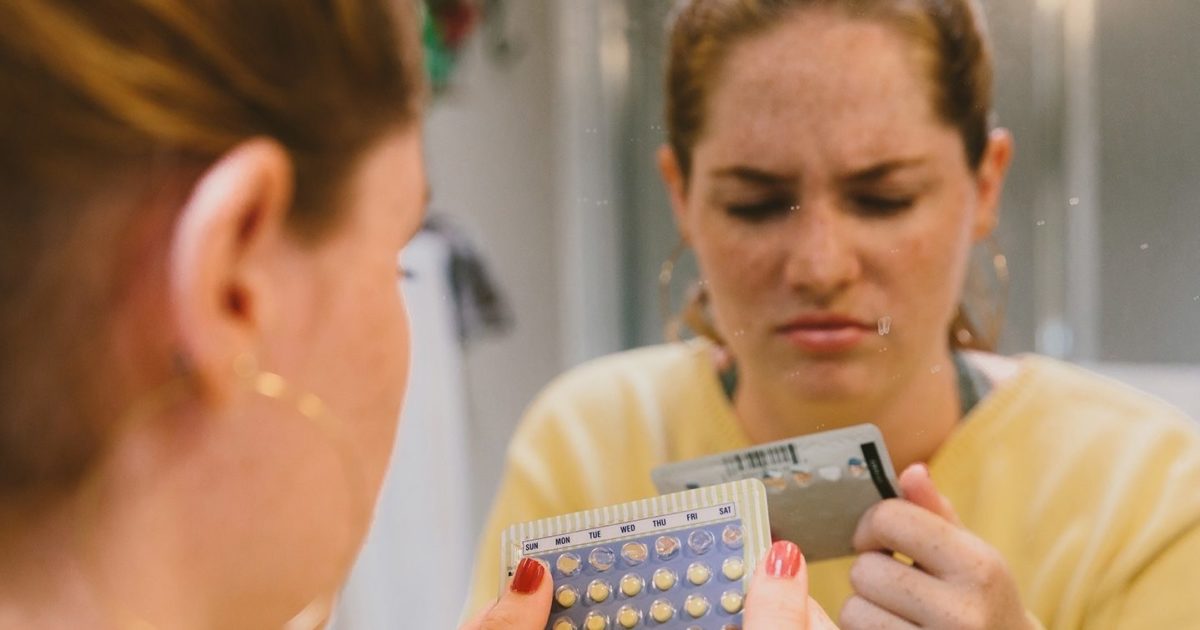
(524, 606)
(778, 597)
(917, 487)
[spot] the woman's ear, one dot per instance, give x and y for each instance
(993, 168)
(672, 175)
(219, 290)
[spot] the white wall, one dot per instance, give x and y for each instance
(490, 146)
(1150, 181)
(1173, 383)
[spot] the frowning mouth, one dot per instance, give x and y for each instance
(826, 333)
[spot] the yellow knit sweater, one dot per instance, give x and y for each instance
(1089, 489)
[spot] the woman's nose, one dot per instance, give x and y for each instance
(821, 258)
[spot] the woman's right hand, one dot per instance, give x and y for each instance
(777, 600)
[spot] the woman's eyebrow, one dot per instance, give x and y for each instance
(751, 174)
(881, 170)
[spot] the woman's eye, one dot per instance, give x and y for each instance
(760, 211)
(882, 205)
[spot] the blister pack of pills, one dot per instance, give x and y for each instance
(818, 485)
(676, 562)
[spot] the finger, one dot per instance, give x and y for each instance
(938, 546)
(917, 486)
(778, 595)
(524, 606)
(817, 618)
(904, 591)
(860, 614)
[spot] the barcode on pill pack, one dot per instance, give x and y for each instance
(762, 458)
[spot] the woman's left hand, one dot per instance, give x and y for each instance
(525, 604)
(958, 581)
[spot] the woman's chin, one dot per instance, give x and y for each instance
(830, 382)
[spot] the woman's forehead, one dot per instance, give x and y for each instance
(854, 87)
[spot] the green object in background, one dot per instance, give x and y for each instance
(439, 59)
(446, 27)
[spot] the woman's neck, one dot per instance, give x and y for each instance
(74, 567)
(42, 584)
(915, 413)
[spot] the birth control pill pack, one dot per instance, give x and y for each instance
(675, 562)
(818, 485)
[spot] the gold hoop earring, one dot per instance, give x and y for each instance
(694, 315)
(672, 326)
(177, 392)
(983, 332)
(272, 385)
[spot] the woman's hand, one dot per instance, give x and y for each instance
(777, 600)
(958, 581)
(778, 596)
(524, 606)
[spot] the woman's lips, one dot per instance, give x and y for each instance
(826, 335)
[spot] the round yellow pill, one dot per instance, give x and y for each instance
(664, 579)
(731, 601)
(629, 617)
(632, 584)
(595, 621)
(733, 568)
(698, 573)
(696, 605)
(566, 596)
(662, 611)
(599, 590)
(568, 564)
(565, 624)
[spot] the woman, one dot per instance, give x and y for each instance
(201, 208)
(831, 165)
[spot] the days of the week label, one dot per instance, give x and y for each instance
(690, 518)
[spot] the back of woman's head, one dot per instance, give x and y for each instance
(109, 106)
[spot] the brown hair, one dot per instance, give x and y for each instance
(104, 104)
(950, 32)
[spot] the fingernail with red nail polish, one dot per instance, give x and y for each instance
(528, 577)
(784, 560)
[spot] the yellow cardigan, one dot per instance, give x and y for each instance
(1089, 489)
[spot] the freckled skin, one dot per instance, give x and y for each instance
(823, 182)
(814, 99)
